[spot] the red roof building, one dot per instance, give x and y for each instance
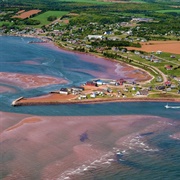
(168, 67)
(168, 83)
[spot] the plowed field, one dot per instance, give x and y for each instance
(27, 14)
(164, 46)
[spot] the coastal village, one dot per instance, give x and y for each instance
(100, 90)
(124, 42)
(89, 89)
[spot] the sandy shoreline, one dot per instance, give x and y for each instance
(132, 72)
(52, 148)
(27, 81)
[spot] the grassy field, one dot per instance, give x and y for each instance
(85, 1)
(43, 17)
(164, 95)
(169, 10)
(138, 1)
(5, 23)
(160, 65)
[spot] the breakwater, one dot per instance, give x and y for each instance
(16, 101)
(89, 101)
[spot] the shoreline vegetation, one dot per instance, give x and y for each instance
(73, 99)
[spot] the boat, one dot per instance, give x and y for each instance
(173, 107)
(166, 106)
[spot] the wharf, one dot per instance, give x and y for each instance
(20, 102)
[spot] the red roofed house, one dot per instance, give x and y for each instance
(121, 81)
(168, 83)
(168, 67)
(91, 83)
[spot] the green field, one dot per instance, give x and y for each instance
(87, 1)
(5, 23)
(138, 1)
(169, 10)
(43, 17)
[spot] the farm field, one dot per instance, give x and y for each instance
(5, 23)
(169, 10)
(164, 46)
(90, 1)
(27, 14)
(43, 17)
(138, 1)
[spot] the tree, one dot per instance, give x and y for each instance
(51, 18)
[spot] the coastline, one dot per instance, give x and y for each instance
(97, 100)
(97, 55)
(124, 64)
(69, 50)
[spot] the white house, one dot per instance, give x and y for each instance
(64, 91)
(158, 52)
(93, 95)
(133, 88)
(95, 37)
(82, 96)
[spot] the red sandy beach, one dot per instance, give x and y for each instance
(29, 80)
(6, 89)
(52, 148)
(113, 69)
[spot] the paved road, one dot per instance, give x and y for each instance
(167, 60)
(154, 69)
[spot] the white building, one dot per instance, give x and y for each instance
(95, 37)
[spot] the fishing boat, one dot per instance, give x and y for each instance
(166, 106)
(173, 107)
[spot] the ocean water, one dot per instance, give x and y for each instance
(106, 141)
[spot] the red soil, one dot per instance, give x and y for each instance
(6, 89)
(27, 14)
(112, 68)
(164, 46)
(53, 98)
(52, 148)
(19, 12)
(29, 81)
